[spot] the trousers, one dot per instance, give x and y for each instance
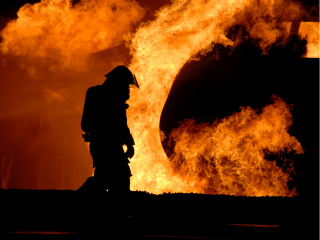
(112, 171)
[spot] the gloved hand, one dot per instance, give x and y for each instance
(130, 151)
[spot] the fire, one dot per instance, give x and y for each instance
(64, 34)
(57, 34)
(231, 153)
(310, 31)
(160, 48)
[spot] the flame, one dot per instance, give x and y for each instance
(159, 50)
(56, 33)
(232, 153)
(66, 34)
(310, 31)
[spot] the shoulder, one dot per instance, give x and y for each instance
(94, 89)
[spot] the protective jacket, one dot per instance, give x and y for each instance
(104, 118)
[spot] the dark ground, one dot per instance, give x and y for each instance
(69, 214)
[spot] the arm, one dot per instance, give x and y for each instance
(128, 140)
(87, 115)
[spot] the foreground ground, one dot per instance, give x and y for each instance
(44, 214)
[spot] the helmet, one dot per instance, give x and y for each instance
(123, 73)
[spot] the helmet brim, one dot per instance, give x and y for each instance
(135, 82)
(124, 73)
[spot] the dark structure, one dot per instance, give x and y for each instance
(211, 89)
(104, 122)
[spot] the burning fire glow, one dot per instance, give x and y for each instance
(160, 49)
(66, 35)
(230, 153)
(310, 31)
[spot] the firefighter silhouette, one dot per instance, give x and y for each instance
(104, 122)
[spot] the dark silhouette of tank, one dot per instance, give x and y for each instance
(104, 122)
(211, 89)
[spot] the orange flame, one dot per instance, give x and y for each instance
(310, 31)
(231, 153)
(66, 35)
(160, 49)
